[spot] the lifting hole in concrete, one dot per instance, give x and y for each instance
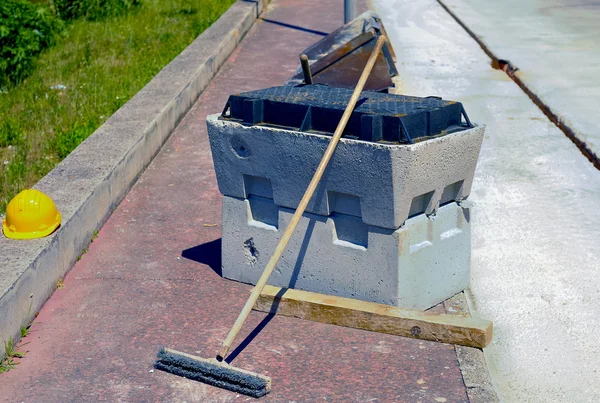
(239, 147)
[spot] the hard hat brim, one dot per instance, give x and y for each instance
(29, 235)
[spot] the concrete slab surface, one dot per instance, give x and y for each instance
(555, 44)
(151, 278)
(535, 221)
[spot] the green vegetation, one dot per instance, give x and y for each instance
(92, 9)
(11, 353)
(84, 251)
(25, 30)
(92, 70)
(25, 331)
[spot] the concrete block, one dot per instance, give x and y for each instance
(382, 183)
(417, 266)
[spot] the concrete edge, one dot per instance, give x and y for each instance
(471, 361)
(92, 181)
(551, 113)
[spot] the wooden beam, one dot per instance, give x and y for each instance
(451, 329)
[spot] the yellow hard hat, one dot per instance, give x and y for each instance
(30, 214)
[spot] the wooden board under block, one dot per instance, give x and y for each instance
(451, 329)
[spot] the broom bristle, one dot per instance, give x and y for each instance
(213, 373)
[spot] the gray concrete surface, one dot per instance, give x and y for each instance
(416, 267)
(535, 223)
(383, 184)
(89, 184)
(473, 367)
(555, 44)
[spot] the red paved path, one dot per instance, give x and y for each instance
(147, 281)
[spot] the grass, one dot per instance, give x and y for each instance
(102, 64)
(25, 331)
(11, 353)
(84, 251)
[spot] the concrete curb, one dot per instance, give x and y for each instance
(91, 182)
(471, 360)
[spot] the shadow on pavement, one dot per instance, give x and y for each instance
(255, 332)
(208, 253)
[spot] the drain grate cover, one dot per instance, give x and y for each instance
(378, 117)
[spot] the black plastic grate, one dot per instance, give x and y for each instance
(377, 117)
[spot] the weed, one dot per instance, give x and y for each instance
(11, 353)
(25, 331)
(6, 365)
(83, 252)
(60, 284)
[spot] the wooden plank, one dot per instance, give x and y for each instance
(452, 329)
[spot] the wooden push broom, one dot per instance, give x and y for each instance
(216, 371)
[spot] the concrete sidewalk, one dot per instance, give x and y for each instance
(555, 44)
(536, 248)
(151, 278)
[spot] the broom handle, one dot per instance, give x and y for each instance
(303, 203)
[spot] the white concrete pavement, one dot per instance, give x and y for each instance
(536, 232)
(555, 44)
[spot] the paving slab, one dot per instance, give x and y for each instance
(535, 217)
(555, 45)
(151, 278)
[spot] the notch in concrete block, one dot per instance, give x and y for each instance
(349, 231)
(262, 213)
(452, 192)
(421, 204)
(453, 225)
(257, 186)
(343, 203)
(422, 236)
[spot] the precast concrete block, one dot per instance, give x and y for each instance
(417, 266)
(382, 184)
